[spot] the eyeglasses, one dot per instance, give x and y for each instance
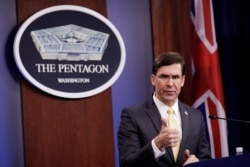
(167, 78)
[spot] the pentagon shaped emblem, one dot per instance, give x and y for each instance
(69, 51)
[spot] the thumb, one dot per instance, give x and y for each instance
(186, 154)
(164, 123)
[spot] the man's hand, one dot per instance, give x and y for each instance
(167, 137)
(189, 158)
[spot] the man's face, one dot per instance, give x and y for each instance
(168, 82)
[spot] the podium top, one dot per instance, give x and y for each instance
(231, 161)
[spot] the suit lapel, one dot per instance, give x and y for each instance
(184, 119)
(153, 114)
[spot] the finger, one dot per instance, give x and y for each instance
(164, 122)
(175, 132)
(186, 153)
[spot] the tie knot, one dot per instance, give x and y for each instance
(170, 110)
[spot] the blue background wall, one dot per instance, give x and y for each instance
(132, 19)
(11, 141)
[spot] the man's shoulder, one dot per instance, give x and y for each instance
(187, 107)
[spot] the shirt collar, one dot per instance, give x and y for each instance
(163, 107)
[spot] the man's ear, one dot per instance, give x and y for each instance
(152, 78)
(183, 80)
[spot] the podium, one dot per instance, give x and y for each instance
(231, 161)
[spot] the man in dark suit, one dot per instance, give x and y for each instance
(145, 138)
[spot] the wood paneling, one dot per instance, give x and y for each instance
(171, 26)
(62, 132)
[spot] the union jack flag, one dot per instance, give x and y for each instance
(207, 82)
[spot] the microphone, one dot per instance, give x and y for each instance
(228, 119)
